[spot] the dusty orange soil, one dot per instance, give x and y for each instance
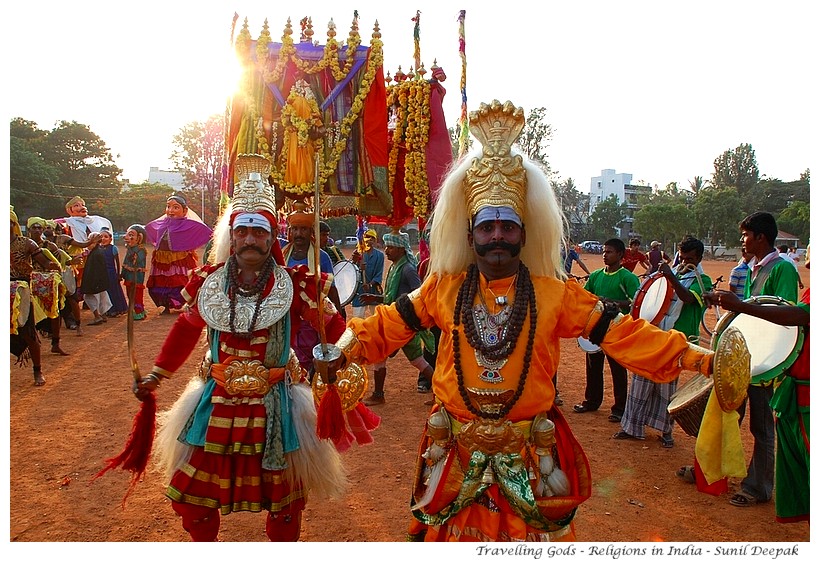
(60, 435)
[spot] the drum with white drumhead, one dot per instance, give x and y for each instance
(653, 299)
(346, 278)
(774, 348)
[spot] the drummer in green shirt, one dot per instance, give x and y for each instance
(648, 401)
(615, 283)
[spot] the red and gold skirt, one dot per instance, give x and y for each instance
(227, 472)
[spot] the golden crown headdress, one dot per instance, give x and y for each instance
(253, 191)
(497, 179)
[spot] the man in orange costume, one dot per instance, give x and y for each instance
(497, 461)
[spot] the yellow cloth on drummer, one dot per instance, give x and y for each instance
(718, 449)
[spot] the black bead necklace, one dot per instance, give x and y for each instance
(524, 299)
(237, 288)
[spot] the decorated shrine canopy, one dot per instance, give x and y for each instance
(309, 107)
(290, 90)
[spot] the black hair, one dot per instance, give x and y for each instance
(324, 227)
(761, 223)
(692, 243)
(616, 243)
(635, 241)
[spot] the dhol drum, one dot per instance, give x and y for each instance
(346, 278)
(688, 403)
(652, 299)
(587, 346)
(773, 348)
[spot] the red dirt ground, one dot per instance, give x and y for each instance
(61, 433)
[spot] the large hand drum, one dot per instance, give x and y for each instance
(688, 403)
(773, 347)
(730, 380)
(346, 279)
(652, 299)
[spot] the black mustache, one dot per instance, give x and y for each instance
(256, 249)
(483, 249)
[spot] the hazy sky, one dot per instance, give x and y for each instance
(655, 89)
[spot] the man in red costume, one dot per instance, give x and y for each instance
(242, 437)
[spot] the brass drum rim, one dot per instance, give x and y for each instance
(724, 322)
(732, 369)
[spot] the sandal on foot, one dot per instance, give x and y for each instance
(614, 418)
(666, 441)
(686, 473)
(558, 400)
(742, 499)
(39, 379)
(622, 435)
(95, 322)
(581, 408)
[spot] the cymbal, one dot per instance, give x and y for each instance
(732, 369)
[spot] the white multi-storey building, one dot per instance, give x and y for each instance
(168, 177)
(620, 185)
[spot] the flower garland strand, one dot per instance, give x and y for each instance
(463, 123)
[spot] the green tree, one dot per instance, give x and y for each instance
(607, 217)
(717, 214)
(738, 169)
(698, 184)
(667, 220)
(84, 161)
(575, 207)
(139, 203)
(198, 156)
(795, 220)
(536, 136)
(31, 183)
(69, 160)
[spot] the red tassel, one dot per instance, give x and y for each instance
(134, 457)
(343, 442)
(356, 425)
(330, 423)
(370, 419)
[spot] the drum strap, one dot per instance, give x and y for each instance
(596, 335)
(756, 284)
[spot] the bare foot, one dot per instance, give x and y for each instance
(56, 350)
(79, 330)
(39, 379)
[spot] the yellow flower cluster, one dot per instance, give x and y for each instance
(411, 102)
(253, 134)
(330, 56)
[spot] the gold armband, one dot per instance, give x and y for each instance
(346, 342)
(594, 316)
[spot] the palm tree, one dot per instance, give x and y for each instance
(697, 184)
